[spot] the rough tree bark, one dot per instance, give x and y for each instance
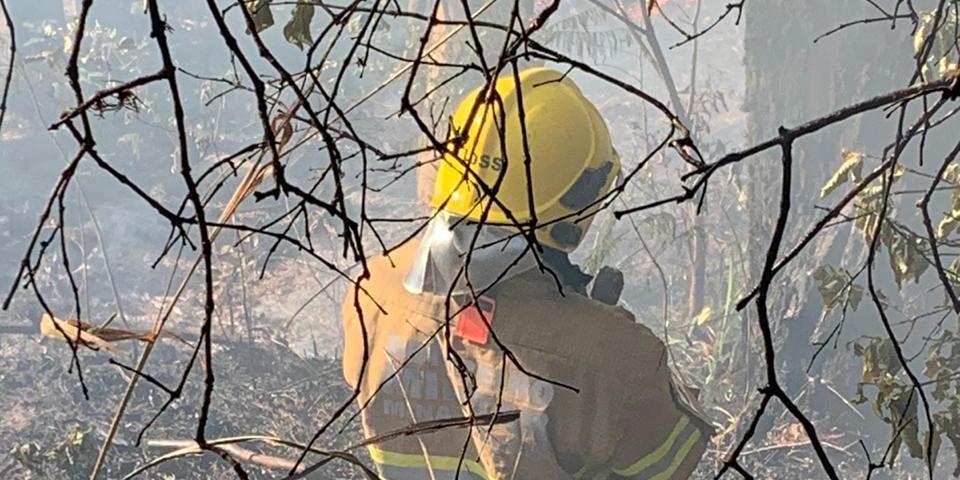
(791, 79)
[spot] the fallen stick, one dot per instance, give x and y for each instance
(240, 454)
(237, 452)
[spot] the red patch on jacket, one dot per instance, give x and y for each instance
(472, 322)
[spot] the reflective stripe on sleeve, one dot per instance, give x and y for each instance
(663, 462)
(679, 457)
(416, 465)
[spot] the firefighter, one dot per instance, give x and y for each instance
(485, 319)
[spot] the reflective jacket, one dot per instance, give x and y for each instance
(595, 396)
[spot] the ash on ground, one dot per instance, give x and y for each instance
(48, 430)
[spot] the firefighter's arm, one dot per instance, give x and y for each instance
(664, 438)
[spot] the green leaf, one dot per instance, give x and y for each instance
(261, 13)
(947, 423)
(297, 30)
(850, 170)
(905, 258)
(880, 368)
(836, 288)
(951, 220)
(947, 225)
(903, 412)
(867, 217)
(934, 369)
(943, 53)
(952, 173)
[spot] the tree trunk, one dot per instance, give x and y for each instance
(790, 80)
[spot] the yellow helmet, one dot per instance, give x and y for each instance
(572, 165)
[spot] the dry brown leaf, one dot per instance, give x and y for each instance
(793, 433)
(55, 328)
(254, 177)
(282, 130)
(96, 337)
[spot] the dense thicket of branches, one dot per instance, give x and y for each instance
(329, 115)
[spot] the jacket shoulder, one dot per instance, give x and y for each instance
(384, 279)
(367, 306)
(581, 331)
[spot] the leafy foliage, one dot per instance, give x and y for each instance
(578, 34)
(951, 220)
(945, 49)
(895, 399)
(906, 250)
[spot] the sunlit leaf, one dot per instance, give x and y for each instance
(703, 317)
(947, 225)
(943, 53)
(951, 220)
(905, 259)
(850, 170)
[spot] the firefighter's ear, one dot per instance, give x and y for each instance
(607, 286)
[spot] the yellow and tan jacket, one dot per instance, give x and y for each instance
(597, 401)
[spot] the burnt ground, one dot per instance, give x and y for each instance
(48, 430)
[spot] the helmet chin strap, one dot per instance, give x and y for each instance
(441, 267)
